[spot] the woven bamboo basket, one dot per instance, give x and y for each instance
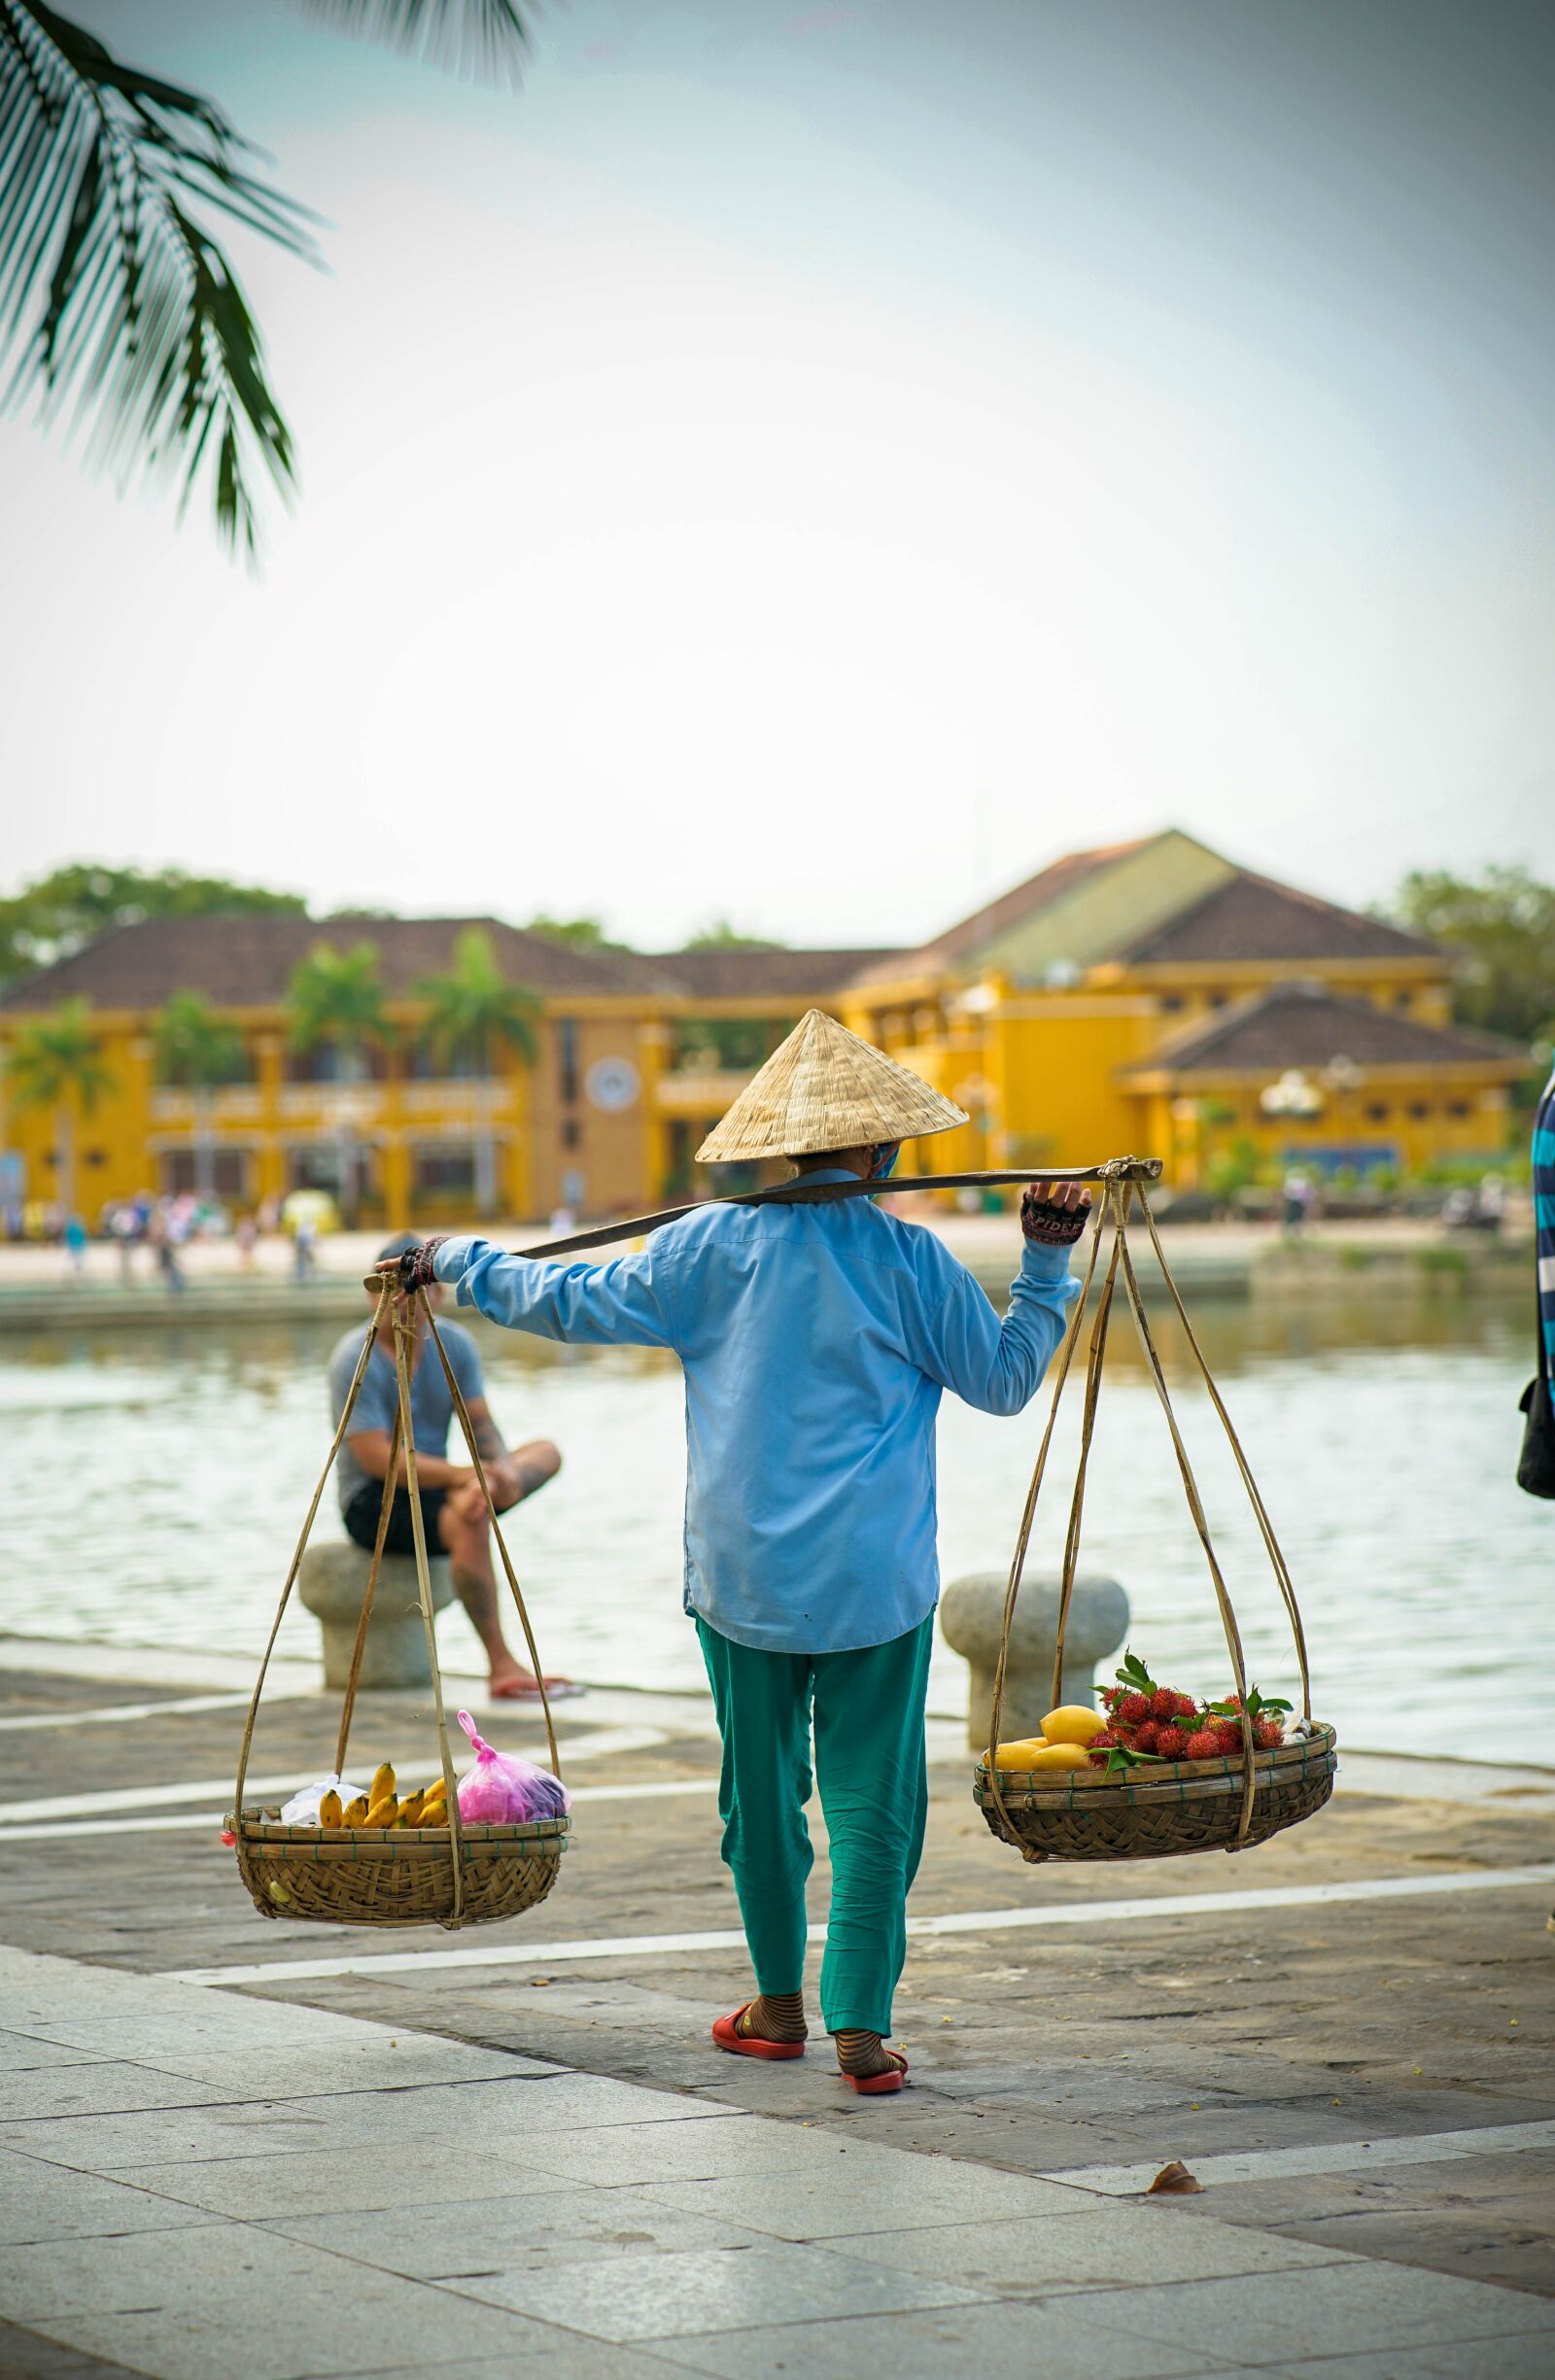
(1152, 1809)
(449, 1876)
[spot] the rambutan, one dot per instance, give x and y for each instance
(1202, 1745)
(1133, 1707)
(1171, 1743)
(1266, 1734)
(1101, 1746)
(1186, 1708)
(1229, 1732)
(1164, 1704)
(1145, 1737)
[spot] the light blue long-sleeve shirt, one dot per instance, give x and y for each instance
(816, 1342)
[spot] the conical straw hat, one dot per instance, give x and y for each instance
(825, 1088)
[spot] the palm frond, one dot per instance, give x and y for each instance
(118, 306)
(483, 37)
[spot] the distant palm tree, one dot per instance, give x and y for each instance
(123, 304)
(58, 1063)
(201, 1049)
(473, 1011)
(336, 1000)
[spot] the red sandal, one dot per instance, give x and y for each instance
(875, 2085)
(727, 2036)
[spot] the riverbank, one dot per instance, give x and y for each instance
(1231, 1259)
(272, 2151)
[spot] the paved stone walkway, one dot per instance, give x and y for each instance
(446, 2155)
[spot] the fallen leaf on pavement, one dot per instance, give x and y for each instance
(1174, 2181)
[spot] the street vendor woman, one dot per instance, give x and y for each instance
(816, 1341)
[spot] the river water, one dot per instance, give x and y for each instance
(156, 1481)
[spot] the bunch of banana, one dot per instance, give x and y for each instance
(381, 1805)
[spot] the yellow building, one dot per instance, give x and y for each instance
(1149, 997)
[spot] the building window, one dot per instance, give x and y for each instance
(1403, 999)
(571, 1132)
(327, 1062)
(566, 1058)
(1458, 1107)
(443, 1169)
(1218, 999)
(181, 1172)
(1418, 1108)
(460, 1061)
(1171, 999)
(1377, 1112)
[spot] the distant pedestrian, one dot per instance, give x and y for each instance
(76, 1244)
(245, 1235)
(304, 1239)
(1298, 1198)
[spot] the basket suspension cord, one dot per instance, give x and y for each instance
(1022, 1539)
(469, 1428)
(385, 1507)
(1094, 1360)
(1266, 1526)
(403, 1328)
(1234, 1634)
(245, 1865)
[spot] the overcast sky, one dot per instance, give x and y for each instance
(813, 465)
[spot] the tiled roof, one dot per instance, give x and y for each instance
(1297, 1025)
(1252, 918)
(247, 962)
(787, 975)
(1012, 909)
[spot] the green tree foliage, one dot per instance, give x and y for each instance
(59, 913)
(471, 1011)
(200, 1051)
(720, 935)
(58, 1063)
(575, 933)
(1502, 924)
(338, 997)
(119, 307)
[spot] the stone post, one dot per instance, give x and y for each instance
(971, 1619)
(333, 1581)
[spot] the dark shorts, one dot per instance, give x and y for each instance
(361, 1518)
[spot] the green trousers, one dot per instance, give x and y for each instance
(867, 1709)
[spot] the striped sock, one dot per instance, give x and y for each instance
(864, 2054)
(775, 2016)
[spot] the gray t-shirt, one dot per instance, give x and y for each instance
(431, 1408)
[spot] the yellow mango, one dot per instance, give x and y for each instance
(1072, 1723)
(1018, 1754)
(1061, 1756)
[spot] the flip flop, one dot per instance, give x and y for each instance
(750, 2045)
(563, 1691)
(875, 2085)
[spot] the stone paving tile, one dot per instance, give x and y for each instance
(237, 2304)
(102, 2087)
(39, 2201)
(826, 2196)
(1501, 2359)
(539, 2230)
(26, 2356)
(636, 2297)
(637, 2155)
(517, 2112)
(1462, 2241)
(1353, 2307)
(1099, 2247)
(551, 2354)
(390, 2063)
(1048, 2341)
(23, 2053)
(301, 2183)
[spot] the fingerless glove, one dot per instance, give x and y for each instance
(416, 1265)
(1050, 1225)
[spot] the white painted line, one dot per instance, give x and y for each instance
(196, 1821)
(968, 1921)
(116, 1712)
(1327, 2156)
(605, 1741)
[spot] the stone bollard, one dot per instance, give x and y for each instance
(971, 1621)
(333, 1581)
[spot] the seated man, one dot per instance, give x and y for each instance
(453, 1509)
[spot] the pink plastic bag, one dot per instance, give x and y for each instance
(501, 1791)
